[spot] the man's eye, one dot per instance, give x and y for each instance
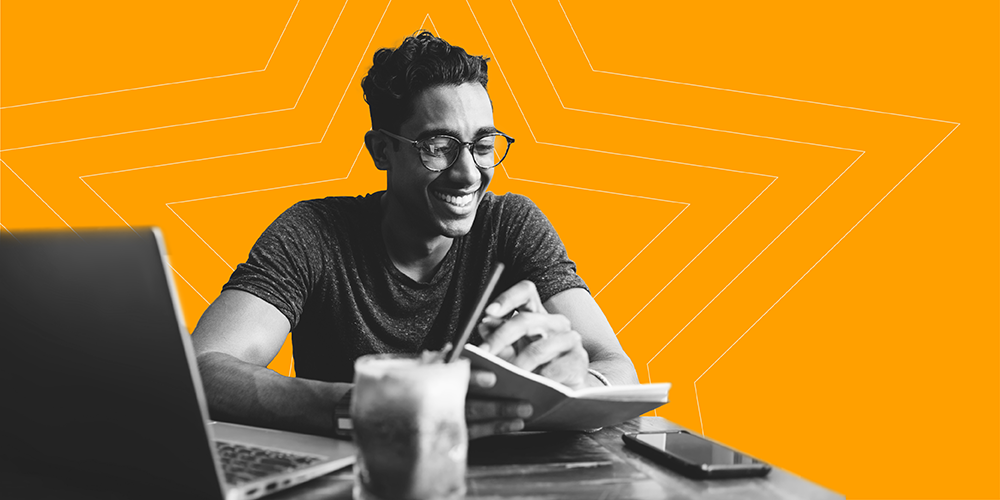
(438, 147)
(485, 146)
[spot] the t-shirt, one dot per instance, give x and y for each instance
(324, 265)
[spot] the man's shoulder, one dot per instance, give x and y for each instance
(324, 220)
(332, 209)
(337, 204)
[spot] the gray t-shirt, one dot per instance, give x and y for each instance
(323, 264)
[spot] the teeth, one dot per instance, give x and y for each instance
(459, 201)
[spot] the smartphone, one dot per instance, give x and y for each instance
(695, 456)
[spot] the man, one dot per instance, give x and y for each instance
(398, 271)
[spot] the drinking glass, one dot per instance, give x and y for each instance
(409, 426)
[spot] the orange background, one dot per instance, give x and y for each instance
(787, 210)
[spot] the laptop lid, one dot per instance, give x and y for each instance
(102, 398)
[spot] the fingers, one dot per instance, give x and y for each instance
(481, 410)
(569, 369)
(521, 297)
(551, 348)
(525, 324)
(484, 429)
(486, 417)
(482, 379)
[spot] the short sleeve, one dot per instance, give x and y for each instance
(284, 263)
(532, 248)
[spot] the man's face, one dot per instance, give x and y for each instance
(442, 203)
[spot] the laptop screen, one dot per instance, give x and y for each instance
(101, 397)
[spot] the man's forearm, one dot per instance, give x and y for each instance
(617, 368)
(244, 393)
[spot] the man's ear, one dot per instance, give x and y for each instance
(378, 145)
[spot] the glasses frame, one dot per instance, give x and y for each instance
(466, 145)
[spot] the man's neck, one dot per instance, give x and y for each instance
(412, 252)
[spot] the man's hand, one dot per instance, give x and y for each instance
(533, 339)
(485, 417)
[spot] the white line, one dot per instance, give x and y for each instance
(363, 54)
(200, 159)
(428, 18)
(658, 159)
(200, 238)
(575, 36)
(736, 91)
(103, 136)
(8, 232)
(130, 89)
(696, 256)
(537, 55)
(114, 134)
(39, 197)
(171, 83)
(756, 257)
(643, 250)
(820, 260)
(436, 31)
(530, 41)
(291, 363)
(282, 35)
(320, 56)
(189, 284)
(254, 191)
(714, 129)
(108, 205)
(593, 190)
(497, 61)
(700, 420)
(277, 187)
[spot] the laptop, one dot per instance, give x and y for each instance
(102, 397)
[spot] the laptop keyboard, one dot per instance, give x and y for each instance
(242, 463)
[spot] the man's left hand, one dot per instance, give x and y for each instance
(533, 339)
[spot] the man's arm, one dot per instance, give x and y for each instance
(240, 334)
(596, 335)
(234, 341)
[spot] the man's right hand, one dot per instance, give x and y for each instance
(486, 417)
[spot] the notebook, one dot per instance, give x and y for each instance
(559, 408)
(103, 398)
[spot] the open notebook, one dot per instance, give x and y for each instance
(558, 407)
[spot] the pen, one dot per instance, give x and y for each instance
(470, 323)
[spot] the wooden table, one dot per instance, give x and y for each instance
(582, 466)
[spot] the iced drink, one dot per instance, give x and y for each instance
(409, 425)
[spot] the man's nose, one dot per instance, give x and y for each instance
(465, 170)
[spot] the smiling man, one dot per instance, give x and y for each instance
(397, 271)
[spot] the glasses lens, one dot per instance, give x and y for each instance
(490, 150)
(439, 152)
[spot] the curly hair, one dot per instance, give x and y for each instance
(422, 61)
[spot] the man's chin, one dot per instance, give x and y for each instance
(457, 228)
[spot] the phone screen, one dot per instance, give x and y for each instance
(695, 449)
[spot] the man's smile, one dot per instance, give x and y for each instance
(459, 199)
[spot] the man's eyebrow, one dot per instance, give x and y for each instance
(435, 131)
(486, 130)
(454, 133)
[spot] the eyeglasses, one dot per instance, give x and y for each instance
(441, 151)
